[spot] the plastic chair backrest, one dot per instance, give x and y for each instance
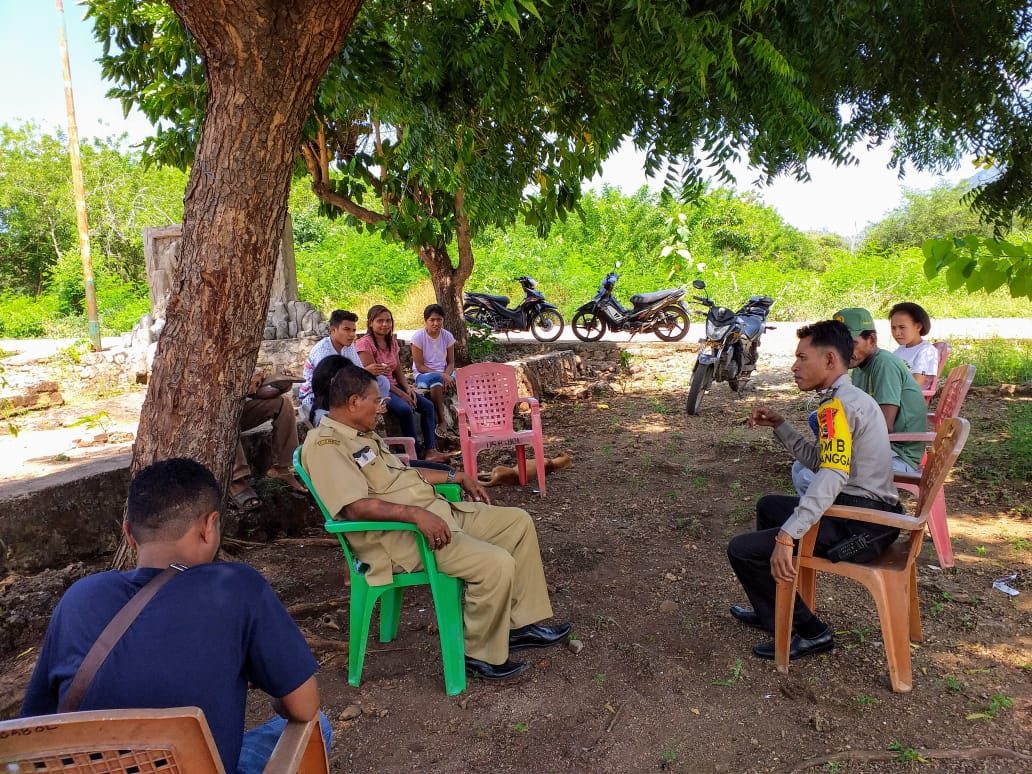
(944, 349)
(949, 442)
(488, 392)
(141, 741)
(954, 390)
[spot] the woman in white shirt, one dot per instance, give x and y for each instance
(909, 322)
(433, 362)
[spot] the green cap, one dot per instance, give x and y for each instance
(856, 319)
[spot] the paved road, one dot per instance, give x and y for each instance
(782, 340)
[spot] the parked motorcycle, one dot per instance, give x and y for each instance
(662, 313)
(542, 319)
(731, 347)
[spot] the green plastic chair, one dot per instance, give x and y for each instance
(446, 592)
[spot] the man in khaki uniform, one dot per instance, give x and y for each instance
(493, 549)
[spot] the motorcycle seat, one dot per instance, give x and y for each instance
(644, 299)
(503, 300)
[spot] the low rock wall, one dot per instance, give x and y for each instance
(73, 515)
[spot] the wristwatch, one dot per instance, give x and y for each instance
(451, 476)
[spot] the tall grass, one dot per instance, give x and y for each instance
(996, 360)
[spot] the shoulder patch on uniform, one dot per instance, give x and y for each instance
(835, 439)
(327, 442)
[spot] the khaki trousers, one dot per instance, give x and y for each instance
(284, 432)
(497, 556)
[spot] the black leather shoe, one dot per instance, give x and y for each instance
(494, 672)
(747, 616)
(535, 636)
(799, 647)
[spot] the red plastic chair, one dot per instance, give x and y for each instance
(488, 395)
(943, 348)
(954, 390)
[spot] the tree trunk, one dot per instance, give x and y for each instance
(264, 62)
(449, 281)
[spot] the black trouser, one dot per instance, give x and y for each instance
(750, 553)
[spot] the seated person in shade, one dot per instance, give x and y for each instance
(851, 457)
(212, 630)
(493, 549)
(379, 347)
(909, 322)
(261, 404)
(320, 403)
(433, 362)
(343, 329)
(887, 379)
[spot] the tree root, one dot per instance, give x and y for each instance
(306, 609)
(971, 754)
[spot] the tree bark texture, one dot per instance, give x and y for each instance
(264, 61)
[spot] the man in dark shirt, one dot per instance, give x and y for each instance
(209, 632)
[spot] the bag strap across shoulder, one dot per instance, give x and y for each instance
(111, 635)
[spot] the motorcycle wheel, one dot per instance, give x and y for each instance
(700, 381)
(588, 326)
(672, 324)
(547, 325)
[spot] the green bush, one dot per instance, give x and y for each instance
(26, 317)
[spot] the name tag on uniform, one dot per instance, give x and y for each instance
(364, 456)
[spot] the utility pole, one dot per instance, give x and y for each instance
(80, 192)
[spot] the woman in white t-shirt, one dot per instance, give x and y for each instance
(433, 362)
(909, 322)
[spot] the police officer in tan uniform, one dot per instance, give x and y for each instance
(493, 549)
(852, 464)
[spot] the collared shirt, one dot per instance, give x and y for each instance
(323, 349)
(346, 465)
(888, 380)
(852, 454)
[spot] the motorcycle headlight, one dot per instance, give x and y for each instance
(717, 331)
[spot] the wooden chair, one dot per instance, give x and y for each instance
(943, 348)
(488, 396)
(445, 590)
(954, 390)
(143, 741)
(891, 579)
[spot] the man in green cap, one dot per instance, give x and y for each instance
(887, 379)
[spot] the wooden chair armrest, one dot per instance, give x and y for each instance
(925, 437)
(300, 749)
(907, 478)
(873, 516)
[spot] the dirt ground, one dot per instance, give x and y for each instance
(633, 538)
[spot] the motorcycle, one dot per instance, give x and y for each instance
(542, 319)
(661, 312)
(731, 347)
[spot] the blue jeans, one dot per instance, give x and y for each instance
(404, 412)
(259, 743)
(426, 381)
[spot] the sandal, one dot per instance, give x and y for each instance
(246, 499)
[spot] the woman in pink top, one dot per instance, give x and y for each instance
(378, 349)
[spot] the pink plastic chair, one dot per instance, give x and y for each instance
(954, 390)
(943, 348)
(488, 395)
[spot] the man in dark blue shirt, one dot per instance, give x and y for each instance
(212, 630)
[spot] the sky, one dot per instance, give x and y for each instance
(841, 200)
